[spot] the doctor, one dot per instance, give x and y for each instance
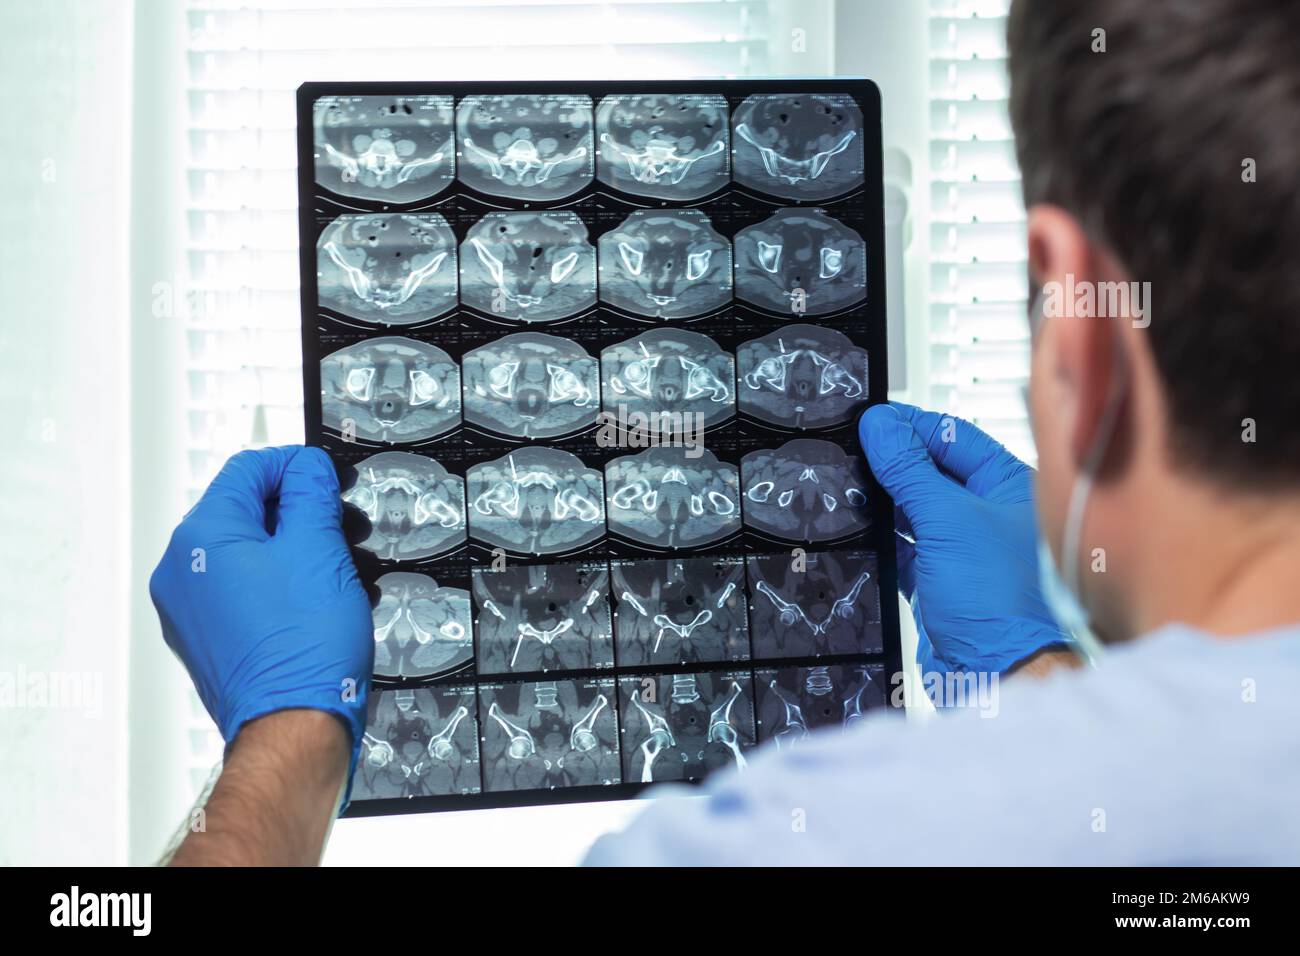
(1159, 160)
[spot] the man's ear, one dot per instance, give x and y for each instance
(1081, 344)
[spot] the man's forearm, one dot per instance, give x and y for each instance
(277, 794)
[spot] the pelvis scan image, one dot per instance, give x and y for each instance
(393, 148)
(683, 726)
(669, 373)
(421, 630)
(531, 385)
(802, 262)
(387, 268)
(665, 263)
(663, 146)
(802, 376)
(680, 610)
(802, 147)
(526, 147)
(543, 617)
(806, 490)
(390, 389)
(421, 742)
(549, 734)
(814, 604)
(414, 507)
(794, 701)
(665, 499)
(536, 501)
(528, 266)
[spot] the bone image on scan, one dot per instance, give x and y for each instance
(543, 617)
(680, 610)
(517, 146)
(795, 701)
(387, 268)
(414, 507)
(663, 146)
(536, 501)
(531, 385)
(393, 148)
(421, 629)
(802, 376)
(806, 490)
(802, 147)
(528, 266)
(800, 262)
(665, 263)
(391, 390)
(420, 742)
(549, 734)
(685, 726)
(668, 375)
(665, 499)
(820, 603)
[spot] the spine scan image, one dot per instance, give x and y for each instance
(549, 734)
(390, 390)
(421, 630)
(387, 268)
(802, 147)
(536, 501)
(820, 603)
(418, 743)
(663, 147)
(802, 376)
(534, 148)
(668, 374)
(794, 701)
(666, 264)
(801, 262)
(414, 508)
(543, 617)
(393, 148)
(680, 611)
(806, 490)
(665, 499)
(531, 385)
(685, 726)
(528, 266)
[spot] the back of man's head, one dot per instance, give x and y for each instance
(1171, 130)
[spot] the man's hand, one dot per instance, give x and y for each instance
(259, 598)
(972, 574)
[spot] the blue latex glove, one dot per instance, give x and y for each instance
(266, 621)
(968, 503)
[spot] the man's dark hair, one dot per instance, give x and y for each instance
(1149, 144)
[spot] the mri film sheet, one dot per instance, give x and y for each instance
(589, 359)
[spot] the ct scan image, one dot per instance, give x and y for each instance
(537, 147)
(414, 507)
(387, 268)
(685, 726)
(393, 390)
(393, 148)
(795, 701)
(802, 376)
(665, 264)
(549, 734)
(665, 498)
(809, 605)
(806, 490)
(663, 146)
(421, 630)
(800, 261)
(528, 266)
(802, 147)
(543, 617)
(530, 385)
(420, 742)
(536, 501)
(672, 376)
(680, 610)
